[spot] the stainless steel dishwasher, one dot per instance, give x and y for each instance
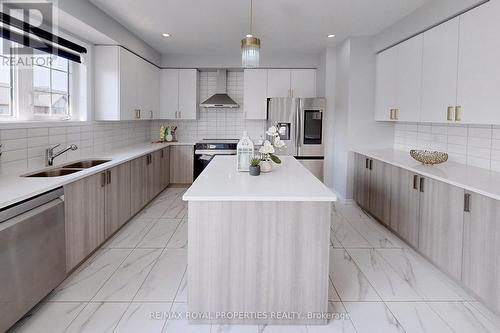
(32, 254)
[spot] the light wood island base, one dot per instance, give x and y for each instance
(267, 261)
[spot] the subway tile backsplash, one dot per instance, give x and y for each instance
(216, 123)
(473, 145)
(23, 149)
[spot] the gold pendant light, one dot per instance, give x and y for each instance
(250, 46)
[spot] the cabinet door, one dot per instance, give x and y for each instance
(405, 206)
(139, 184)
(380, 191)
(117, 198)
(255, 93)
(303, 83)
(409, 79)
(181, 164)
(154, 175)
(169, 93)
(385, 85)
(481, 261)
(478, 70)
(84, 218)
(362, 181)
(278, 83)
(441, 224)
(188, 93)
(150, 90)
(128, 85)
(165, 168)
(439, 76)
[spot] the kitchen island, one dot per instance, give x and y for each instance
(258, 247)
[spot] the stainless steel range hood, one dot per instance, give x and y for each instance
(220, 99)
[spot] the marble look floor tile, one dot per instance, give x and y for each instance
(462, 317)
(371, 232)
(350, 210)
(495, 319)
(340, 322)
(180, 238)
(425, 279)
(128, 278)
(131, 235)
(332, 293)
(158, 207)
(159, 235)
(235, 329)
(183, 290)
(349, 237)
(165, 278)
(388, 284)
(176, 211)
(144, 318)
(83, 284)
(350, 283)
(52, 317)
(418, 317)
(282, 329)
(372, 317)
(182, 325)
(98, 318)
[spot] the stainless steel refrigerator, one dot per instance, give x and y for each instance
(301, 126)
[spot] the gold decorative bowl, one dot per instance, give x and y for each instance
(429, 157)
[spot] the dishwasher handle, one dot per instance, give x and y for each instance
(29, 204)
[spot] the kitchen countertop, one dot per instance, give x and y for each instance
(481, 181)
(15, 188)
(289, 181)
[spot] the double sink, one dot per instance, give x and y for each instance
(67, 169)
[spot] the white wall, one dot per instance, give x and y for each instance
(234, 61)
(85, 19)
(350, 83)
(421, 19)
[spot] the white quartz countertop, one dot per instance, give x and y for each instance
(481, 181)
(14, 188)
(289, 181)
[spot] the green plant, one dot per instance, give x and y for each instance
(255, 161)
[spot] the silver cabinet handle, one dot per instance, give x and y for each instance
(467, 198)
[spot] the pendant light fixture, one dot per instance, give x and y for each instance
(250, 46)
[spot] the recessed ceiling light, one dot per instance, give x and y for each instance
(331, 36)
(165, 34)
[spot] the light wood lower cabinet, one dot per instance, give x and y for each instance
(362, 181)
(154, 174)
(165, 167)
(405, 204)
(441, 224)
(139, 183)
(181, 164)
(84, 217)
(481, 248)
(380, 190)
(117, 198)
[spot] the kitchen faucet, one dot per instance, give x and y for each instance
(50, 155)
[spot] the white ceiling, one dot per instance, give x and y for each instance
(202, 27)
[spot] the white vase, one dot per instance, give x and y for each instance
(266, 166)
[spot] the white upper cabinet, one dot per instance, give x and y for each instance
(409, 79)
(255, 93)
(278, 82)
(479, 65)
(188, 93)
(303, 83)
(300, 83)
(385, 85)
(179, 94)
(126, 86)
(439, 77)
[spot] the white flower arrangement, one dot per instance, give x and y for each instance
(269, 147)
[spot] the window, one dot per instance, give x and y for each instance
(41, 90)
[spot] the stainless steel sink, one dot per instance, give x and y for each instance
(53, 173)
(84, 164)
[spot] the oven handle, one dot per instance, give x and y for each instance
(215, 152)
